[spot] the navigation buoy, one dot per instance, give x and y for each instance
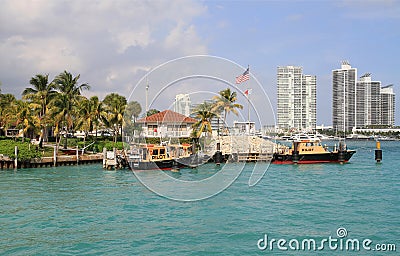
(378, 152)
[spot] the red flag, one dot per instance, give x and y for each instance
(243, 77)
(248, 92)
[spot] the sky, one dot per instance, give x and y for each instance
(112, 44)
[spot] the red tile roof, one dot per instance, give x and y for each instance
(167, 116)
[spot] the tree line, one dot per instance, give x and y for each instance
(60, 105)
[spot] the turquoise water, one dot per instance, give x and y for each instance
(85, 210)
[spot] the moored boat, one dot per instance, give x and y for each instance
(309, 151)
(156, 157)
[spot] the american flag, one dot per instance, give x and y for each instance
(243, 77)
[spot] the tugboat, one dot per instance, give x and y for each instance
(156, 157)
(310, 151)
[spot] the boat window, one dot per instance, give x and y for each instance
(162, 151)
(155, 151)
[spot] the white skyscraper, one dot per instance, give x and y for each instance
(344, 97)
(361, 103)
(182, 104)
(387, 105)
(297, 99)
(368, 102)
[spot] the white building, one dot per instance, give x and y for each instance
(387, 105)
(368, 101)
(166, 124)
(344, 97)
(297, 99)
(362, 103)
(182, 104)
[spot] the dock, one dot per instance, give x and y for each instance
(114, 159)
(252, 157)
(7, 163)
(246, 148)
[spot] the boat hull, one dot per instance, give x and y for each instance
(152, 165)
(328, 157)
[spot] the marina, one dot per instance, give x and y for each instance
(305, 149)
(84, 209)
(199, 128)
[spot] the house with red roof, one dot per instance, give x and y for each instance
(167, 124)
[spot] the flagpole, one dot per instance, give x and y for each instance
(248, 99)
(248, 106)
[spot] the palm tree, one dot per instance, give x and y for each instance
(7, 117)
(204, 113)
(85, 115)
(98, 112)
(133, 109)
(132, 112)
(41, 92)
(26, 117)
(114, 105)
(226, 101)
(57, 114)
(70, 92)
(90, 112)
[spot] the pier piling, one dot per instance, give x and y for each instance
(218, 155)
(295, 157)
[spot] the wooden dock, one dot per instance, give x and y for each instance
(251, 157)
(114, 159)
(6, 163)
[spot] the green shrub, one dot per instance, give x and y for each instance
(26, 151)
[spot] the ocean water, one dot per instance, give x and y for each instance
(85, 210)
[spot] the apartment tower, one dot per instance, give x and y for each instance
(387, 105)
(297, 99)
(182, 104)
(344, 97)
(368, 102)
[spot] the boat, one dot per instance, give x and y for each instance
(68, 151)
(310, 151)
(156, 157)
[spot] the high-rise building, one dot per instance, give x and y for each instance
(344, 97)
(387, 105)
(297, 99)
(368, 101)
(182, 104)
(360, 103)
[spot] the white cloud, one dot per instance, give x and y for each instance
(127, 38)
(185, 38)
(110, 43)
